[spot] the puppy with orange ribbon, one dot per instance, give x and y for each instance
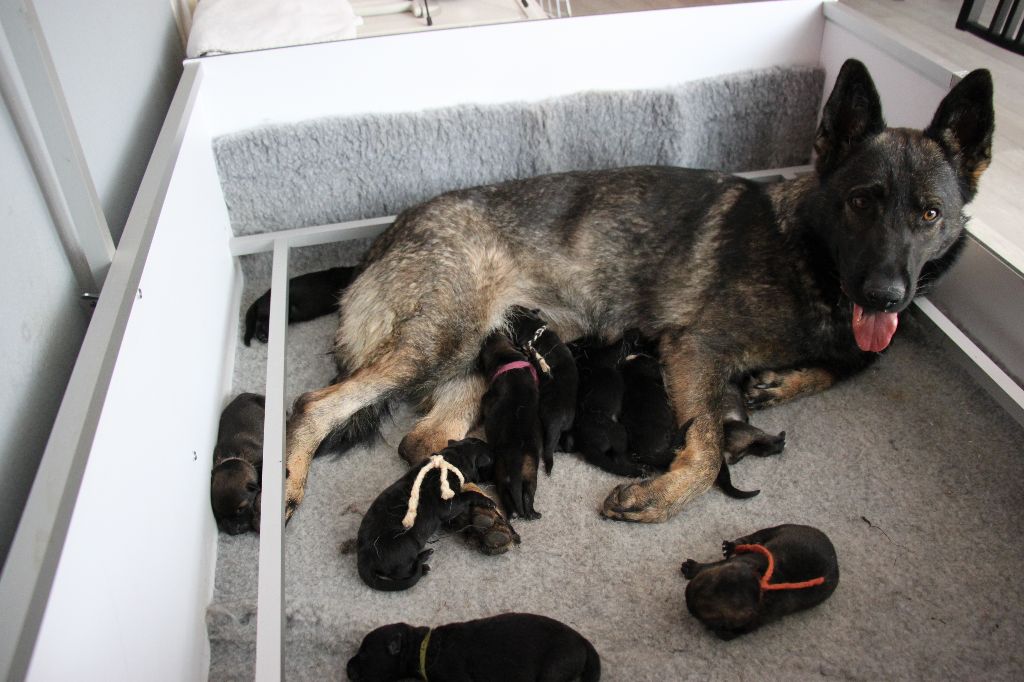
(764, 576)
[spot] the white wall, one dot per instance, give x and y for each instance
(41, 332)
(118, 62)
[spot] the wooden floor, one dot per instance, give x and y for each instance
(929, 26)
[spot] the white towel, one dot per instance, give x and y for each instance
(220, 26)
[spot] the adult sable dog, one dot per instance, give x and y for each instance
(787, 287)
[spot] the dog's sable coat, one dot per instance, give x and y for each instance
(391, 557)
(795, 284)
(237, 465)
(511, 647)
(727, 597)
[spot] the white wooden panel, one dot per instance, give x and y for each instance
(271, 597)
(32, 562)
(524, 61)
(131, 589)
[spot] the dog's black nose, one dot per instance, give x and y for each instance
(885, 296)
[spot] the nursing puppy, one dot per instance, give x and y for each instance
(559, 379)
(690, 257)
(237, 465)
(390, 543)
(764, 576)
(650, 426)
(626, 424)
(309, 296)
(597, 434)
(647, 414)
(741, 437)
(512, 423)
(511, 647)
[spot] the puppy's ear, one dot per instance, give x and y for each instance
(483, 460)
(963, 127)
(852, 114)
(396, 641)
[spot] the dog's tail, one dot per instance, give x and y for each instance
(592, 666)
(724, 482)
(362, 427)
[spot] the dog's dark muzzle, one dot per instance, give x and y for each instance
(885, 298)
(882, 293)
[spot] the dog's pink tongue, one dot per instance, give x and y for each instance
(873, 331)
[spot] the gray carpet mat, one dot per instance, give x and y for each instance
(913, 471)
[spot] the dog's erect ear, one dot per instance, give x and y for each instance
(852, 114)
(963, 126)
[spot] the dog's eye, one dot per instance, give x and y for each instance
(251, 487)
(930, 215)
(859, 202)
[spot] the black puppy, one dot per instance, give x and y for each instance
(597, 433)
(237, 465)
(511, 647)
(396, 527)
(764, 576)
(511, 423)
(309, 296)
(742, 438)
(558, 376)
(646, 414)
(625, 424)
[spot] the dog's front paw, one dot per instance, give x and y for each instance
(728, 548)
(689, 568)
(640, 501)
(763, 389)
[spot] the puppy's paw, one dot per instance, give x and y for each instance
(728, 548)
(491, 531)
(689, 568)
(731, 458)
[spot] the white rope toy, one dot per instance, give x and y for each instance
(435, 462)
(544, 367)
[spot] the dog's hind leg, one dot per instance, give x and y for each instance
(695, 385)
(317, 414)
(455, 410)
